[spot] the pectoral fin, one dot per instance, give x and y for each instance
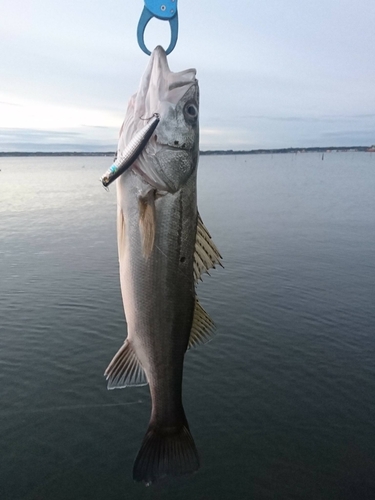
(125, 369)
(147, 222)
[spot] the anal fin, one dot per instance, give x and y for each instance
(125, 369)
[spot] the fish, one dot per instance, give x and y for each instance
(163, 248)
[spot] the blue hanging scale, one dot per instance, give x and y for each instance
(165, 10)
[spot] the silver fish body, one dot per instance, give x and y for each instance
(163, 248)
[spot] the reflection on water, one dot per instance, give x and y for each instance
(280, 403)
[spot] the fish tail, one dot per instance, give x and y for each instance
(166, 451)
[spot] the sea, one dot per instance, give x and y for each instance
(281, 402)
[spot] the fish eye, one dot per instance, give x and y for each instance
(191, 111)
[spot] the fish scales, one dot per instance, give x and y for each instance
(159, 232)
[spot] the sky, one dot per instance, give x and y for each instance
(272, 74)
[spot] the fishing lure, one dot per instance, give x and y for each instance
(131, 152)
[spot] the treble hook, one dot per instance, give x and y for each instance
(165, 10)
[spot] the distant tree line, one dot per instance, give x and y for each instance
(204, 153)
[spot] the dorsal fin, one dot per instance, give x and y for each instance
(202, 328)
(206, 255)
(125, 369)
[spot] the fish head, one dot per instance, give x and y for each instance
(171, 155)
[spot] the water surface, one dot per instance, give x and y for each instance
(281, 403)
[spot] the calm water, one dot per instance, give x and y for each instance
(281, 403)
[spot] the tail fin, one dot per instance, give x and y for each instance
(165, 452)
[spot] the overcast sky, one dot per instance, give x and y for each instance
(272, 73)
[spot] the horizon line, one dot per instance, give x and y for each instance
(320, 149)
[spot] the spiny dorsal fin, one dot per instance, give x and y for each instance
(203, 327)
(147, 222)
(125, 369)
(206, 254)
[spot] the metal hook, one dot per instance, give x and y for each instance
(165, 10)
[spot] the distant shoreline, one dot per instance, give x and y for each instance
(333, 149)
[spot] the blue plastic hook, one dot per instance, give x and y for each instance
(166, 10)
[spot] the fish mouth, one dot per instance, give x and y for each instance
(160, 56)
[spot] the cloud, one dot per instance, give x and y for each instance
(312, 119)
(271, 74)
(349, 137)
(20, 134)
(33, 147)
(47, 140)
